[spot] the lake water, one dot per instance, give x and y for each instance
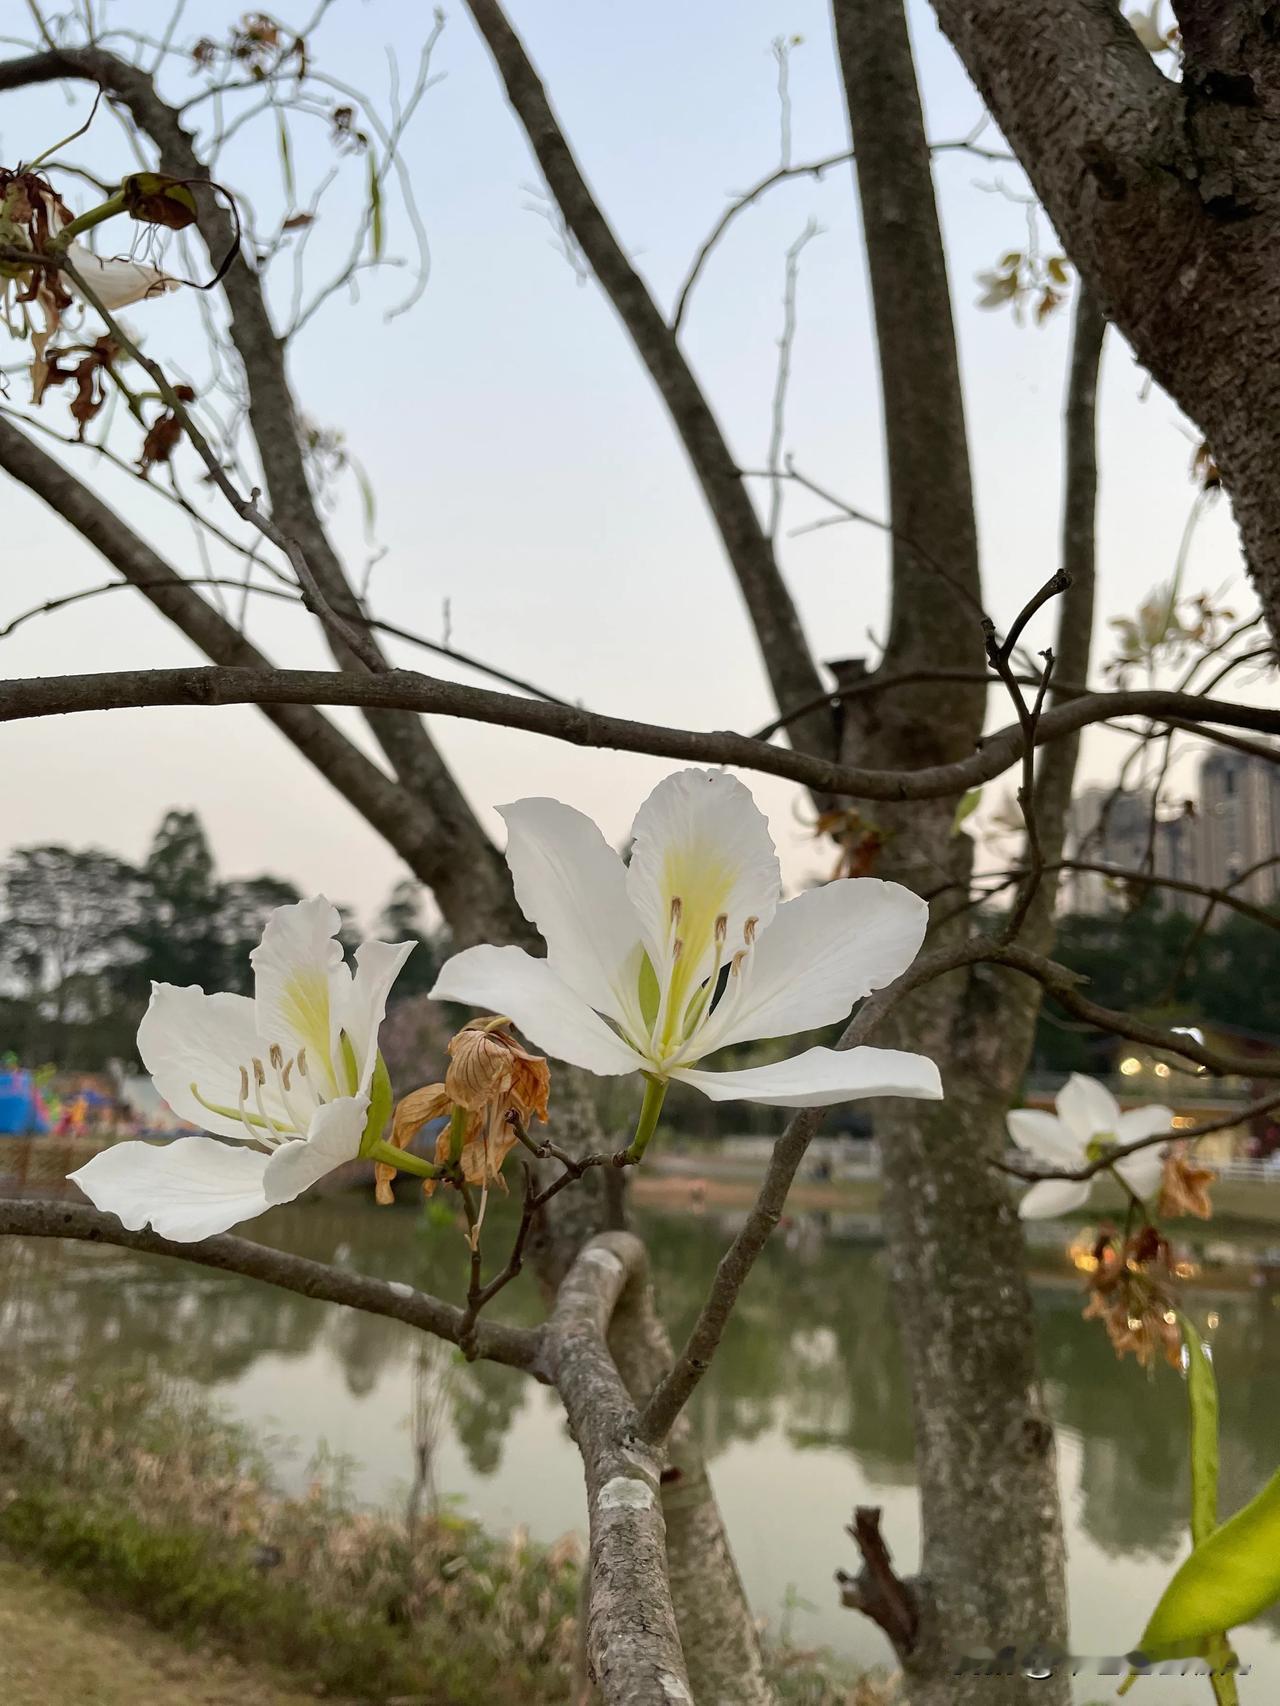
(804, 1413)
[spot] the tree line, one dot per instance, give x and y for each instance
(84, 932)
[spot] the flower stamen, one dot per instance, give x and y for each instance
(272, 1129)
(281, 1067)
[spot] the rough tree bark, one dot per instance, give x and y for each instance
(1167, 197)
(992, 1556)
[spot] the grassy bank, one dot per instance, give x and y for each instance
(145, 1503)
(57, 1648)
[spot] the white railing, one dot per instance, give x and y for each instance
(1244, 1172)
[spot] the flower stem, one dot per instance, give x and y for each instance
(402, 1159)
(654, 1093)
(86, 221)
(457, 1132)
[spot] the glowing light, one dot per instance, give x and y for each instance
(1162, 1071)
(1212, 1320)
(1130, 1064)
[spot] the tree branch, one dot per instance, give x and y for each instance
(786, 653)
(406, 690)
(392, 810)
(926, 445)
(632, 1637)
(516, 1347)
(877, 1590)
(483, 905)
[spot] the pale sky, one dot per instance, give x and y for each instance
(523, 465)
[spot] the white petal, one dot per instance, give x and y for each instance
(700, 839)
(189, 1038)
(573, 886)
(1088, 1109)
(825, 950)
(116, 284)
(298, 970)
(551, 1015)
(1141, 1172)
(820, 1077)
(188, 1189)
(364, 1002)
(1044, 1135)
(1144, 1121)
(334, 1138)
(1053, 1196)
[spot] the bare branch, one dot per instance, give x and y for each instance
(877, 1590)
(484, 906)
(475, 891)
(786, 653)
(406, 690)
(517, 1347)
(632, 1637)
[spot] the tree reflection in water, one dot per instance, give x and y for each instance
(810, 1359)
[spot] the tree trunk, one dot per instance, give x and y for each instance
(1167, 197)
(992, 1559)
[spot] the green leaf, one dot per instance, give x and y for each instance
(1229, 1579)
(375, 208)
(286, 154)
(966, 808)
(1202, 1395)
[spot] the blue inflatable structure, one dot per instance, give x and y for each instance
(22, 1109)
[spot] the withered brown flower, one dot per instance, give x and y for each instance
(494, 1082)
(1184, 1188)
(411, 1113)
(1128, 1292)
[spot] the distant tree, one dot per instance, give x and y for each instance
(243, 906)
(401, 920)
(70, 921)
(177, 930)
(1161, 965)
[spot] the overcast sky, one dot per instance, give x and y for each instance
(523, 466)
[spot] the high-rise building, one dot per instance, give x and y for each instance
(1117, 829)
(1230, 840)
(1239, 824)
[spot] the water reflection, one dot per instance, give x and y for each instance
(807, 1395)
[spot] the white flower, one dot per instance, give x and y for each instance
(1088, 1118)
(653, 965)
(292, 1075)
(117, 283)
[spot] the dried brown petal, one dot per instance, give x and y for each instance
(1184, 1189)
(411, 1113)
(480, 1067)
(485, 1151)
